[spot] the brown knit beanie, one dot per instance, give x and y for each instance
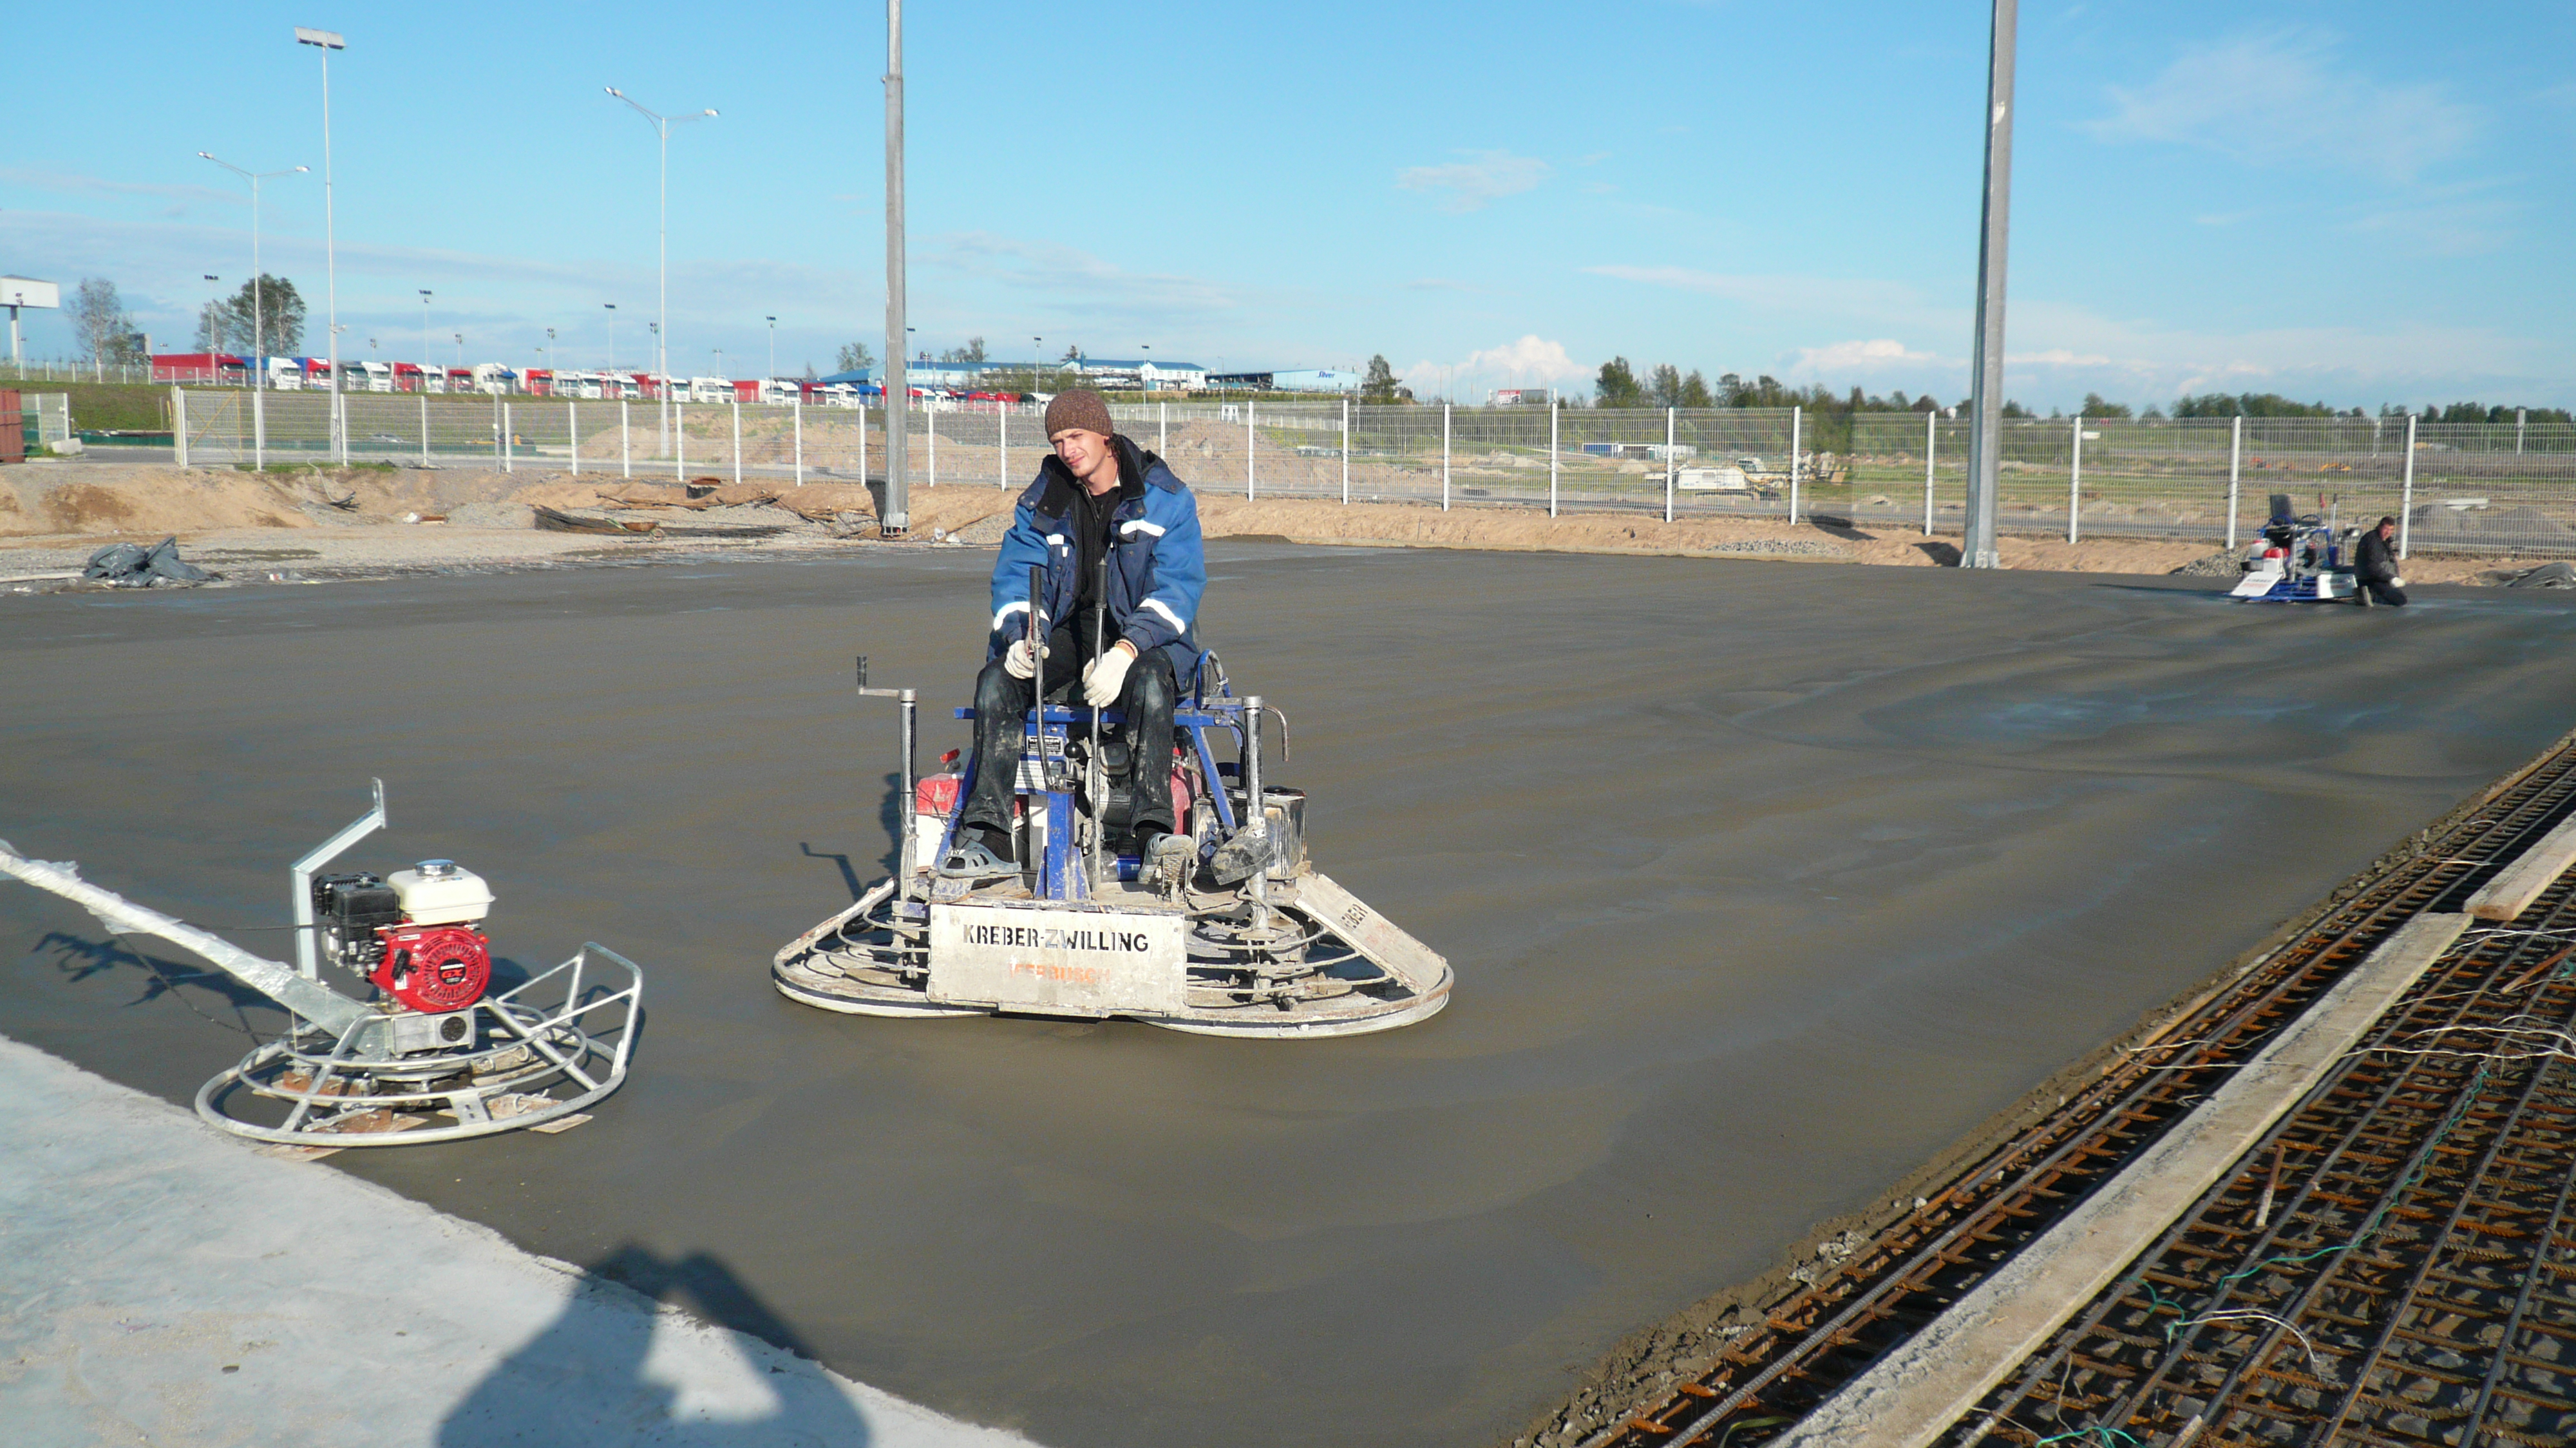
(1079, 407)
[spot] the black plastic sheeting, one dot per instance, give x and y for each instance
(131, 565)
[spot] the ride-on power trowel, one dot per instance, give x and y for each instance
(1236, 935)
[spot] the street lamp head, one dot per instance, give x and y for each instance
(303, 168)
(207, 156)
(711, 110)
(326, 39)
(612, 90)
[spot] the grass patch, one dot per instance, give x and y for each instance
(110, 406)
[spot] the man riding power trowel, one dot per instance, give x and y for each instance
(1120, 637)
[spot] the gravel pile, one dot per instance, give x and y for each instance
(1802, 547)
(2222, 564)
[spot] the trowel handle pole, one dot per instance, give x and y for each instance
(910, 706)
(1254, 816)
(1037, 648)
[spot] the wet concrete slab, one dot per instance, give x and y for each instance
(1763, 882)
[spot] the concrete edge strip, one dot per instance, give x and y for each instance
(1916, 1394)
(2518, 884)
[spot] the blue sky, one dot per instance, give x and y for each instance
(2361, 203)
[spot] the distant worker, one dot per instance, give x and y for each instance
(2374, 567)
(1100, 496)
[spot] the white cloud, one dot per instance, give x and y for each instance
(69, 184)
(2288, 98)
(1472, 184)
(1076, 281)
(1532, 361)
(1872, 356)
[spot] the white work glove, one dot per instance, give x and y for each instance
(2397, 583)
(1020, 661)
(1106, 676)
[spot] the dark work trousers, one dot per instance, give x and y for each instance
(2383, 591)
(1001, 724)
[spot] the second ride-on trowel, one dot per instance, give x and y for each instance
(1238, 935)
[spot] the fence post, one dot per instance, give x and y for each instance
(1797, 426)
(1931, 440)
(863, 442)
(2406, 494)
(679, 441)
(1163, 428)
(2075, 480)
(259, 429)
(1444, 457)
(625, 442)
(179, 428)
(1249, 470)
(424, 428)
(737, 441)
(1002, 470)
(1670, 460)
(572, 429)
(930, 424)
(1551, 453)
(1346, 450)
(2519, 414)
(505, 435)
(797, 404)
(2235, 456)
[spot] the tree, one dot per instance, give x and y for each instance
(1695, 391)
(1378, 385)
(973, 351)
(279, 315)
(855, 357)
(1617, 385)
(1664, 385)
(100, 321)
(2095, 406)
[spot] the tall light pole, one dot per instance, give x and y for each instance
(611, 308)
(423, 382)
(550, 359)
(258, 312)
(1037, 359)
(897, 517)
(327, 41)
(662, 125)
(773, 349)
(214, 331)
(1985, 434)
(1148, 349)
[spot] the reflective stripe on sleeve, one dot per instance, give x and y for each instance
(1008, 609)
(1165, 609)
(1140, 525)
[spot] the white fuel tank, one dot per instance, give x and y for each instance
(441, 892)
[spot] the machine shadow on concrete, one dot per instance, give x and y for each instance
(585, 1379)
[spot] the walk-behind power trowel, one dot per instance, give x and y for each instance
(429, 1051)
(1239, 935)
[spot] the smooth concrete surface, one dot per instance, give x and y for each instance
(161, 1282)
(1763, 883)
(1916, 1395)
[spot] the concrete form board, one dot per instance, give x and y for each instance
(1763, 883)
(1916, 1395)
(2518, 884)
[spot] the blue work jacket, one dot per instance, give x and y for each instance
(1157, 566)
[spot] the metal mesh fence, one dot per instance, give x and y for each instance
(2456, 487)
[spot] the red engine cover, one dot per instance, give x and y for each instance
(434, 967)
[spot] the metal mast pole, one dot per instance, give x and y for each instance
(1985, 432)
(897, 517)
(327, 41)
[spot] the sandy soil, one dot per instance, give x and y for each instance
(283, 526)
